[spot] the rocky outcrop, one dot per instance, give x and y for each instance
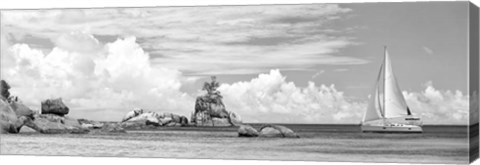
(10, 122)
(138, 119)
(132, 114)
(277, 131)
(54, 106)
(247, 131)
(54, 124)
(13, 114)
(210, 110)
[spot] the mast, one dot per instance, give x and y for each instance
(384, 82)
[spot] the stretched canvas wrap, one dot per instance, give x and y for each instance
(354, 82)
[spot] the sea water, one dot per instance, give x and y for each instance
(438, 144)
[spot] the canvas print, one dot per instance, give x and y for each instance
(355, 82)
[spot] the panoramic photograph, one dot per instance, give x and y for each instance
(354, 82)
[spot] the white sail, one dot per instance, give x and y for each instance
(374, 111)
(387, 99)
(395, 105)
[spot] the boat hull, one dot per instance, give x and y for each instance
(392, 129)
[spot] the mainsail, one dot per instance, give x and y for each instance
(387, 100)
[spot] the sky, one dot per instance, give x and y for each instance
(313, 63)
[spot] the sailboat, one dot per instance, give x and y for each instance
(387, 110)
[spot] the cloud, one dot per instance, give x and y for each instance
(199, 40)
(113, 79)
(439, 106)
(318, 74)
(270, 98)
(428, 50)
(77, 42)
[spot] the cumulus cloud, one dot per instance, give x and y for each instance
(439, 106)
(270, 98)
(116, 77)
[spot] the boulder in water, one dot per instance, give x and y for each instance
(54, 106)
(247, 131)
(270, 132)
(277, 131)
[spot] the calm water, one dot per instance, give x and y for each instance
(438, 144)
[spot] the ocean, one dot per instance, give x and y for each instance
(339, 143)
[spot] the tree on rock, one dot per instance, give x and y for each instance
(211, 87)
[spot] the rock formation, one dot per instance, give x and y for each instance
(277, 131)
(138, 119)
(267, 131)
(54, 106)
(54, 124)
(13, 114)
(10, 122)
(210, 110)
(247, 131)
(131, 114)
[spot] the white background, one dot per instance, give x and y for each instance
(35, 4)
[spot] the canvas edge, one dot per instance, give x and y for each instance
(474, 70)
